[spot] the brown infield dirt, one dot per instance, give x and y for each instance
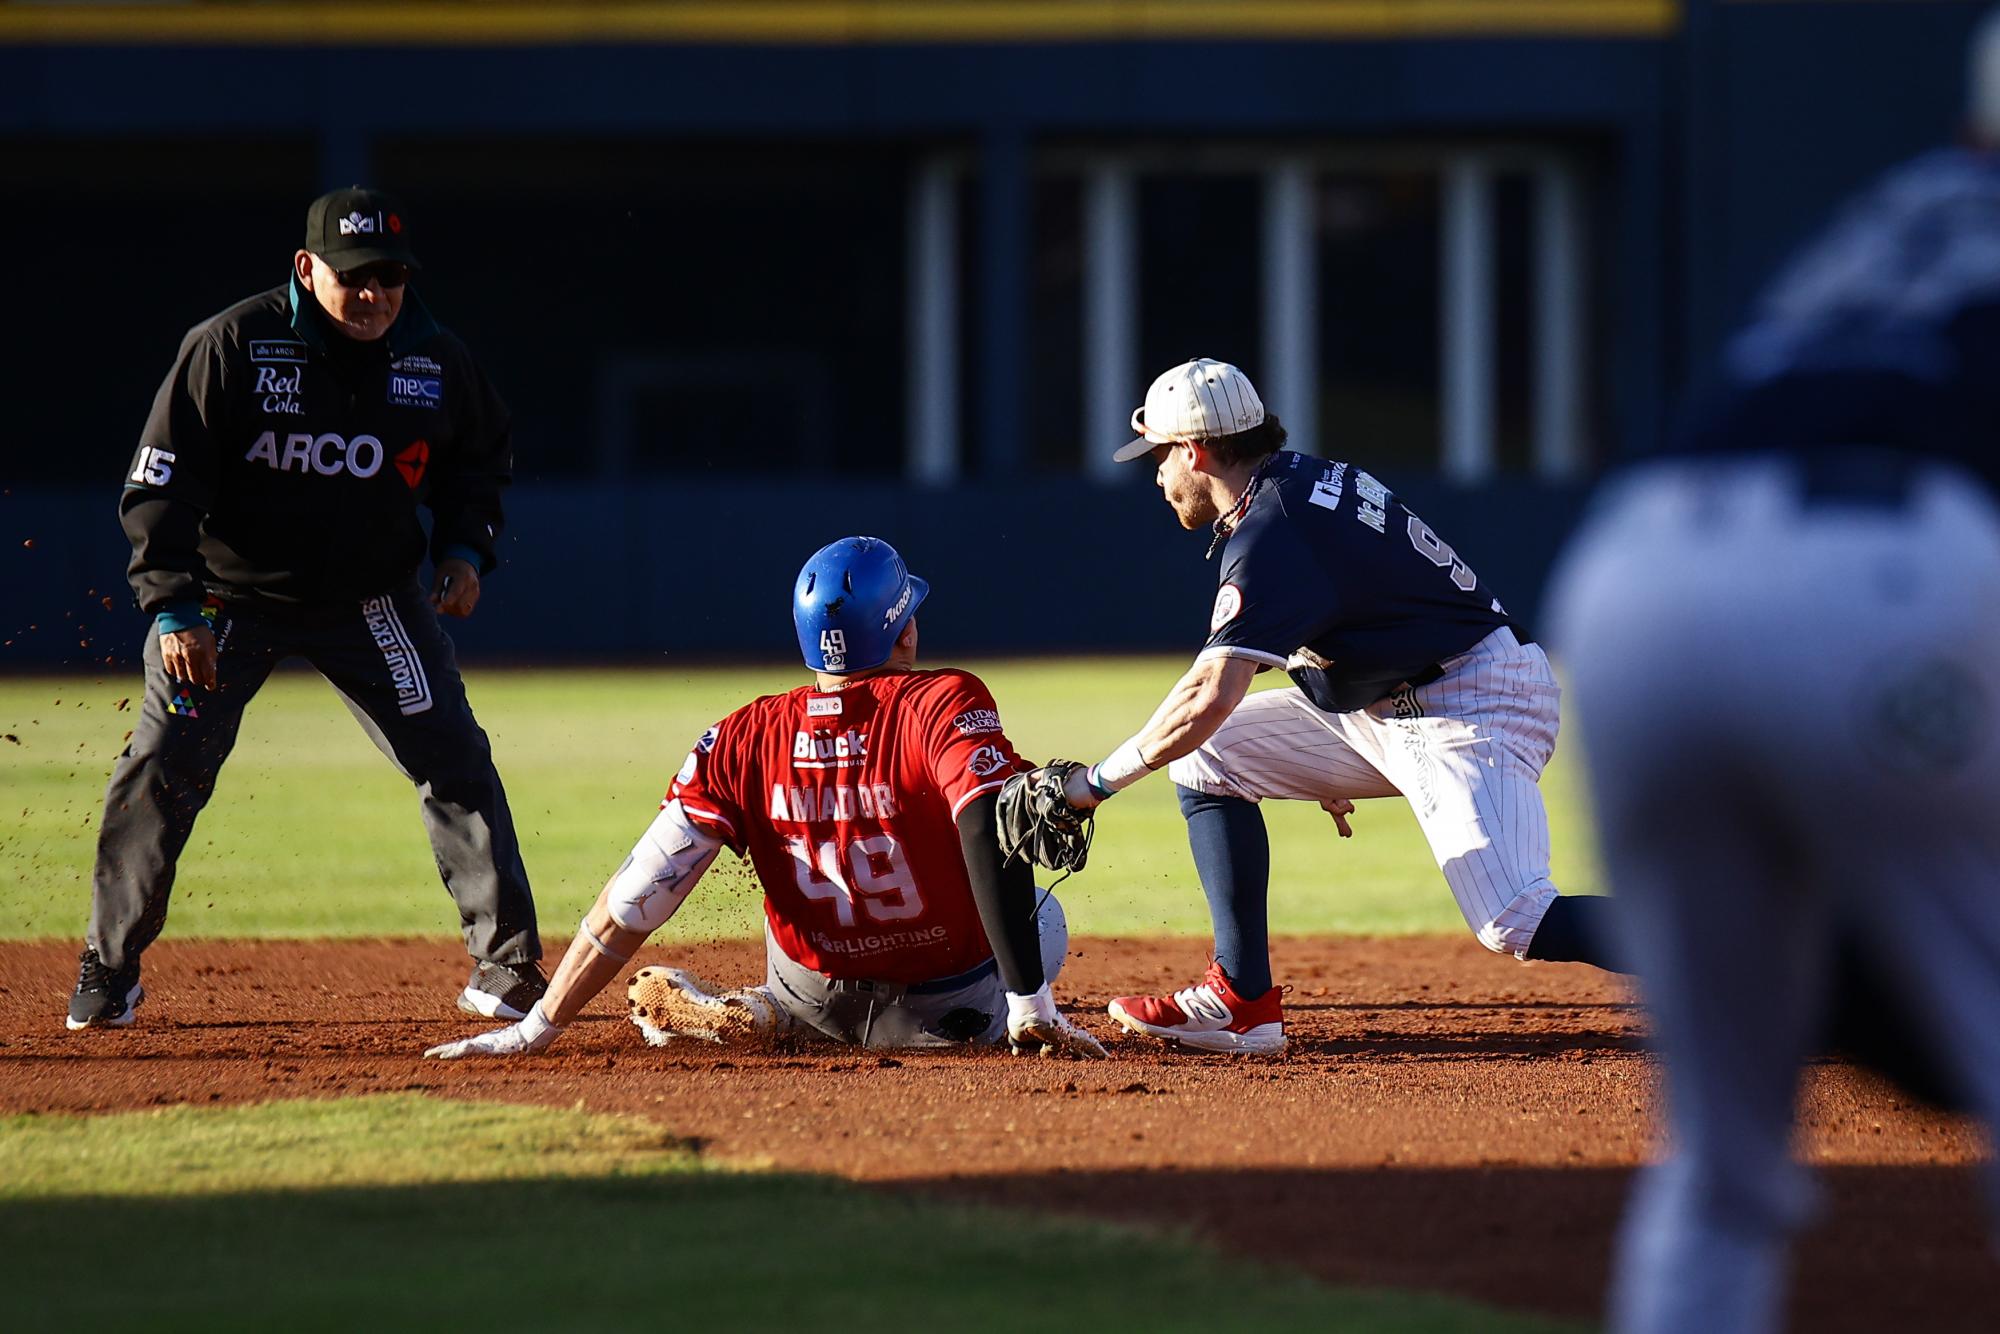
(1444, 1120)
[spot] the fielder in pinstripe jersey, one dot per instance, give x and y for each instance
(1409, 679)
(273, 509)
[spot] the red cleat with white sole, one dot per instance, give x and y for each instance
(1208, 1017)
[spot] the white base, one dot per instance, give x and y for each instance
(659, 1037)
(486, 1005)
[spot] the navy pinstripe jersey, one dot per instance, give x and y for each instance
(1331, 577)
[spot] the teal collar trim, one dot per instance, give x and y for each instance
(307, 322)
(412, 329)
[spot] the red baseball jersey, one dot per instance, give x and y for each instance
(846, 803)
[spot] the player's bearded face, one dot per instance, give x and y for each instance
(1182, 486)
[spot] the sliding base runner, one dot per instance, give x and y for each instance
(865, 804)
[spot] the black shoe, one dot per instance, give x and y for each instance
(503, 990)
(104, 999)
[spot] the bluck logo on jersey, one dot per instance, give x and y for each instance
(824, 750)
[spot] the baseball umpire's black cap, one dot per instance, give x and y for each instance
(355, 226)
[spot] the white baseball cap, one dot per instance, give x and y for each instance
(1196, 400)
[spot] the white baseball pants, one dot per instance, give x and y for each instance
(1467, 750)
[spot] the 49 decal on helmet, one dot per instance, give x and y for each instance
(851, 602)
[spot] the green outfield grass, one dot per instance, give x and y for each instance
(311, 832)
(410, 1213)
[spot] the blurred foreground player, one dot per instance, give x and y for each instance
(273, 509)
(1785, 641)
(1408, 679)
(865, 802)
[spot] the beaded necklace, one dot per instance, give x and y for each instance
(1226, 523)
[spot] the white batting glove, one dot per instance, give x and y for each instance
(1035, 1025)
(531, 1034)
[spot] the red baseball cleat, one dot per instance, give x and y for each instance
(1209, 1017)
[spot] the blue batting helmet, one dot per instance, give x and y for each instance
(851, 602)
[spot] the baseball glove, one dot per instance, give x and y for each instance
(1038, 824)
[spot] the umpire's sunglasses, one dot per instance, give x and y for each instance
(388, 273)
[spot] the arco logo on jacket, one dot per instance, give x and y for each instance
(412, 462)
(329, 455)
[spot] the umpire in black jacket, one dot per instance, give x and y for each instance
(272, 508)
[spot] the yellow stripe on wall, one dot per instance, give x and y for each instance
(822, 22)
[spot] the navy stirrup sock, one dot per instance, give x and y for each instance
(1577, 928)
(1232, 855)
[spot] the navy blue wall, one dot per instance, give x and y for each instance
(1608, 96)
(690, 570)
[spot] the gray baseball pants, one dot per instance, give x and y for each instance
(947, 1012)
(1789, 686)
(393, 665)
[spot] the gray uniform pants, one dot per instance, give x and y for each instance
(393, 665)
(1790, 699)
(970, 1008)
